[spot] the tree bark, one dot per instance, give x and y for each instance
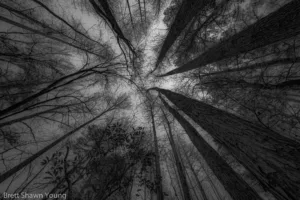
(241, 83)
(130, 14)
(187, 174)
(140, 9)
(182, 177)
(160, 195)
(232, 182)
(111, 20)
(54, 85)
(273, 159)
(195, 175)
(186, 13)
(258, 66)
(175, 193)
(212, 184)
(191, 184)
(279, 25)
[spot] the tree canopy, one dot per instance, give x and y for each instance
(136, 99)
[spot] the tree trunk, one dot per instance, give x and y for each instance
(258, 66)
(186, 13)
(279, 25)
(179, 167)
(145, 187)
(61, 82)
(241, 83)
(129, 189)
(175, 193)
(177, 178)
(111, 20)
(191, 184)
(232, 182)
(187, 174)
(20, 119)
(195, 175)
(145, 11)
(208, 178)
(130, 14)
(140, 9)
(160, 195)
(273, 159)
(212, 184)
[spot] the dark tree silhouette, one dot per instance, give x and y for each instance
(234, 184)
(273, 159)
(279, 25)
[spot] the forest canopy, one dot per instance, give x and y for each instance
(136, 99)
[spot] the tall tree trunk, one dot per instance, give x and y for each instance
(145, 187)
(187, 174)
(241, 83)
(130, 14)
(232, 182)
(56, 84)
(160, 195)
(179, 167)
(279, 25)
(273, 159)
(187, 11)
(20, 119)
(151, 179)
(191, 184)
(140, 9)
(175, 193)
(129, 191)
(208, 178)
(209, 19)
(109, 18)
(212, 184)
(29, 160)
(261, 65)
(195, 175)
(145, 11)
(177, 179)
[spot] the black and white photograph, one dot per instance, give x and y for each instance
(149, 99)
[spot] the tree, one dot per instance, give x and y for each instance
(44, 34)
(187, 11)
(96, 159)
(279, 25)
(110, 171)
(178, 163)
(255, 66)
(117, 104)
(108, 17)
(160, 195)
(234, 184)
(272, 158)
(195, 175)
